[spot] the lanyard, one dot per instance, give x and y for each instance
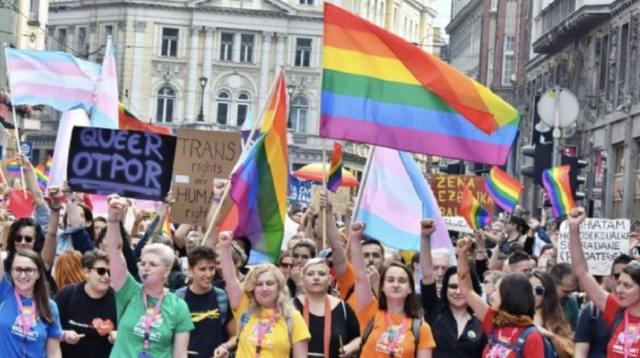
(27, 317)
(393, 337)
(262, 331)
(149, 318)
(628, 336)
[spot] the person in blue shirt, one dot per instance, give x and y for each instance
(29, 320)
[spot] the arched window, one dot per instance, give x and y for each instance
(222, 107)
(166, 104)
(243, 105)
(299, 110)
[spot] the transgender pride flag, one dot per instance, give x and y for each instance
(105, 113)
(395, 199)
(55, 79)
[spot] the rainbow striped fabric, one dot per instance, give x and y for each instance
(379, 89)
(12, 167)
(105, 113)
(166, 224)
(260, 180)
(48, 165)
(476, 215)
(41, 176)
(128, 121)
(558, 186)
(335, 170)
(504, 189)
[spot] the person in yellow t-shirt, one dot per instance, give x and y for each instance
(269, 325)
(392, 315)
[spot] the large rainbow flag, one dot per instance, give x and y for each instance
(558, 186)
(504, 189)
(260, 180)
(378, 88)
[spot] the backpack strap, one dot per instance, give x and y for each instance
(223, 304)
(344, 310)
(415, 328)
(367, 332)
(522, 339)
(350, 292)
(616, 321)
(181, 292)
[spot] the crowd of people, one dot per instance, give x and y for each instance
(75, 284)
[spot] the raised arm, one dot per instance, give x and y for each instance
(73, 210)
(117, 263)
(579, 263)
(337, 252)
(232, 285)
(426, 261)
(218, 192)
(32, 182)
(364, 296)
(477, 304)
(51, 239)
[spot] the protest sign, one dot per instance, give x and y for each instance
(448, 192)
(339, 199)
(457, 223)
(602, 241)
(130, 163)
(201, 157)
(299, 190)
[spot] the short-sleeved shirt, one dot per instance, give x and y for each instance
(174, 318)
(377, 344)
(533, 346)
(346, 285)
(615, 348)
(279, 338)
(592, 329)
(12, 337)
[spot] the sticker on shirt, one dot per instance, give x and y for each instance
(632, 337)
(387, 337)
(267, 342)
(18, 331)
(498, 351)
(102, 327)
(156, 322)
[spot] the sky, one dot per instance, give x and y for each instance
(443, 7)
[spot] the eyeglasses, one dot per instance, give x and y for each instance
(25, 238)
(453, 286)
(539, 290)
(102, 270)
(287, 266)
(29, 271)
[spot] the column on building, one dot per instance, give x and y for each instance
(138, 64)
(193, 86)
(93, 40)
(235, 52)
(119, 46)
(207, 63)
(279, 51)
(50, 43)
(264, 67)
(69, 41)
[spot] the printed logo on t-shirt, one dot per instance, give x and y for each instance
(18, 331)
(156, 322)
(387, 337)
(618, 346)
(266, 341)
(201, 316)
(102, 327)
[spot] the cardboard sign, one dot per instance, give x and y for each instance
(448, 192)
(602, 241)
(201, 157)
(339, 199)
(130, 163)
(299, 190)
(457, 223)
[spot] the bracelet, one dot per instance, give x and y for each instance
(55, 209)
(64, 336)
(113, 221)
(463, 274)
(216, 200)
(225, 346)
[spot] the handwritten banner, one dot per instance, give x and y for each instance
(299, 190)
(201, 157)
(457, 223)
(602, 241)
(130, 163)
(339, 199)
(448, 192)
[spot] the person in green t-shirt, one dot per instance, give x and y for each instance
(152, 322)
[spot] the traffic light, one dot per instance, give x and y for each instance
(455, 167)
(541, 154)
(575, 178)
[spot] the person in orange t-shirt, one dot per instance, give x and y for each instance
(393, 314)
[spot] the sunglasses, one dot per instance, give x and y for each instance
(453, 286)
(102, 270)
(25, 238)
(539, 290)
(288, 266)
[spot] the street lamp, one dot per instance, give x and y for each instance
(290, 90)
(203, 84)
(443, 56)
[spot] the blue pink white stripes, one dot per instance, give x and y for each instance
(105, 114)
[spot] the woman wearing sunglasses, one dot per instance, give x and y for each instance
(29, 320)
(549, 316)
(88, 310)
(332, 323)
(455, 329)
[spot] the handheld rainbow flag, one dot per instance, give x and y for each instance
(504, 189)
(380, 89)
(334, 180)
(166, 225)
(12, 167)
(259, 182)
(476, 215)
(47, 166)
(128, 121)
(41, 176)
(556, 183)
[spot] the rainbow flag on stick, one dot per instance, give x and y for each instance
(12, 167)
(166, 225)
(42, 177)
(48, 165)
(129, 121)
(335, 171)
(558, 186)
(504, 189)
(380, 89)
(476, 215)
(259, 181)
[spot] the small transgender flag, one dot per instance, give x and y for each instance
(105, 113)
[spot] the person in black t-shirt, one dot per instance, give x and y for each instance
(215, 332)
(88, 311)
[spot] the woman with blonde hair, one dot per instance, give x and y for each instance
(68, 269)
(334, 327)
(269, 325)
